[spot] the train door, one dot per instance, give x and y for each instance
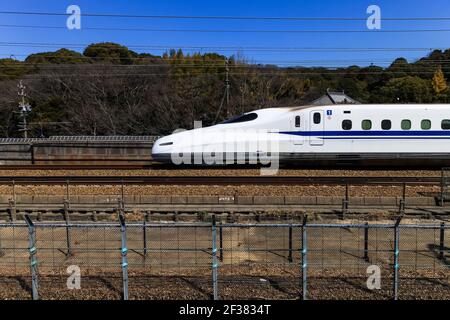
(297, 127)
(316, 128)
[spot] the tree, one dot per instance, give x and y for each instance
(440, 86)
(111, 53)
(61, 56)
(439, 83)
(407, 89)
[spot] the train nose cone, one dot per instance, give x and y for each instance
(161, 150)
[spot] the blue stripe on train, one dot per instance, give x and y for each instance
(374, 134)
(384, 138)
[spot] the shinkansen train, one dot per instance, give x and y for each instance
(413, 134)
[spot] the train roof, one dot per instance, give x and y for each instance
(350, 107)
(366, 106)
(270, 112)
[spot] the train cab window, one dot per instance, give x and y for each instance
(386, 124)
(317, 118)
(406, 124)
(297, 121)
(445, 125)
(425, 125)
(366, 124)
(347, 124)
(242, 118)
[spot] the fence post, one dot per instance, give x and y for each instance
(68, 190)
(366, 242)
(122, 193)
(33, 259)
(402, 206)
(12, 210)
(441, 202)
(68, 234)
(1, 250)
(124, 251)
(442, 241)
(121, 206)
(221, 241)
(290, 258)
(396, 256)
(345, 202)
(14, 190)
(304, 260)
(215, 263)
(12, 203)
(144, 230)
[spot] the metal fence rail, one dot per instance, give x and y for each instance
(79, 139)
(216, 260)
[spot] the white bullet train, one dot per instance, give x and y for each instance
(413, 134)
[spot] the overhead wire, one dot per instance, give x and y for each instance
(227, 30)
(218, 17)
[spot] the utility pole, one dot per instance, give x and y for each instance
(24, 109)
(226, 96)
(227, 85)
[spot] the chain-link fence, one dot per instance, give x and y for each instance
(142, 260)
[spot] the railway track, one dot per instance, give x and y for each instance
(140, 165)
(216, 180)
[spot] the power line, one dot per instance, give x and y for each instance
(192, 59)
(205, 62)
(227, 31)
(191, 17)
(193, 62)
(281, 65)
(246, 48)
(166, 61)
(261, 64)
(284, 74)
(90, 61)
(169, 61)
(206, 66)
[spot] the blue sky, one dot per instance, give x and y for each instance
(282, 8)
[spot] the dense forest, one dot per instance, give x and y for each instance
(111, 90)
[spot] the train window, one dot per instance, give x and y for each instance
(243, 118)
(386, 124)
(406, 124)
(366, 125)
(297, 121)
(317, 118)
(426, 125)
(445, 125)
(347, 124)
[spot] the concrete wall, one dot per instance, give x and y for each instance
(77, 152)
(92, 152)
(15, 154)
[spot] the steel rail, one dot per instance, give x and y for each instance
(216, 180)
(98, 225)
